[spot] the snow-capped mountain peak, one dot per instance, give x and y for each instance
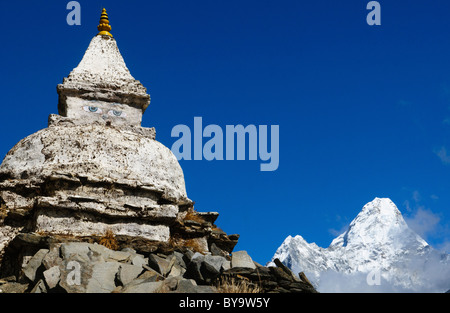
(378, 239)
(379, 223)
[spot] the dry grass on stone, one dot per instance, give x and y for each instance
(109, 240)
(234, 285)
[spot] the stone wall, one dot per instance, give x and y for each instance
(49, 266)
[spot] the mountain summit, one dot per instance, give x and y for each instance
(378, 252)
(379, 223)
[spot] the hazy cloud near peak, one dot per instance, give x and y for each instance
(424, 222)
(443, 155)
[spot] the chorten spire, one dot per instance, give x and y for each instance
(102, 86)
(104, 28)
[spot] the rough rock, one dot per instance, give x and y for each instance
(143, 287)
(39, 287)
(286, 270)
(213, 264)
(138, 260)
(193, 270)
(103, 277)
(35, 262)
(160, 264)
(242, 259)
(52, 276)
(81, 267)
(128, 272)
(13, 287)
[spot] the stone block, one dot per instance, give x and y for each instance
(34, 263)
(128, 272)
(161, 265)
(39, 287)
(242, 259)
(143, 287)
(52, 276)
(103, 277)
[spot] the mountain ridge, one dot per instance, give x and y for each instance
(378, 241)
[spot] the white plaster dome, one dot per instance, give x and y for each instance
(97, 153)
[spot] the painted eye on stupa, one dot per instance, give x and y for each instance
(117, 113)
(92, 109)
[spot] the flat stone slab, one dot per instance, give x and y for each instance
(242, 259)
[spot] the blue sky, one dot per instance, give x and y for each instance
(363, 111)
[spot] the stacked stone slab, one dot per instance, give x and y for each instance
(84, 179)
(80, 267)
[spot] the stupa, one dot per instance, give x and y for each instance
(95, 169)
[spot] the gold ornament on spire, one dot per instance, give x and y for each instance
(104, 28)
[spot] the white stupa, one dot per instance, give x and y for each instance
(94, 168)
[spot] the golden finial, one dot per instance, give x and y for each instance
(104, 28)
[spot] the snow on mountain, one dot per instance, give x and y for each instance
(377, 253)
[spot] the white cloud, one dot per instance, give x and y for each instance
(416, 196)
(417, 274)
(427, 223)
(407, 206)
(444, 247)
(442, 154)
(423, 222)
(337, 232)
(334, 282)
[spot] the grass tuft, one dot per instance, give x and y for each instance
(233, 285)
(109, 240)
